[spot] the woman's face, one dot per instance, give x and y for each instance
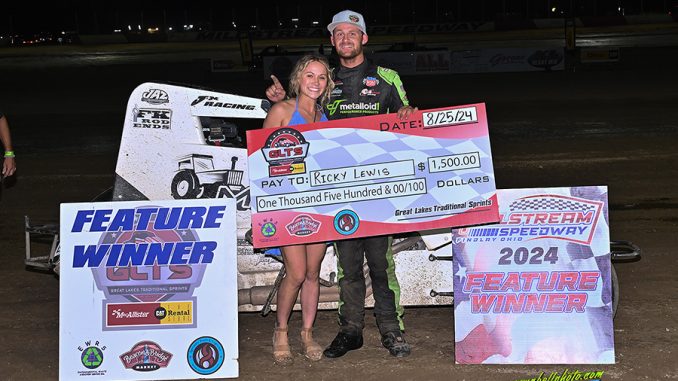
(313, 80)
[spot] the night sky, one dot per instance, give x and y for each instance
(93, 17)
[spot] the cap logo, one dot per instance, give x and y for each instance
(354, 18)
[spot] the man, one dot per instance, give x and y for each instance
(9, 163)
(359, 83)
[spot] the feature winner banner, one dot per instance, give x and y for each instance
(371, 176)
(148, 290)
(536, 288)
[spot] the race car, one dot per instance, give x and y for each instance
(181, 142)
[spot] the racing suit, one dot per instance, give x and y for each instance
(362, 91)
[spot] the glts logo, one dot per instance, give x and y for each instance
(154, 96)
(145, 256)
(285, 151)
(205, 355)
(346, 222)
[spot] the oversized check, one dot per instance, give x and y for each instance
(371, 176)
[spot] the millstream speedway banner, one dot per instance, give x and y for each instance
(370, 176)
(536, 288)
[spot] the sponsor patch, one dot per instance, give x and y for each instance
(145, 356)
(205, 355)
(155, 96)
(369, 93)
(346, 222)
(285, 151)
(157, 119)
(92, 357)
(149, 314)
(303, 225)
(212, 101)
(370, 81)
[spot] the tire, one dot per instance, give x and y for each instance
(615, 291)
(185, 185)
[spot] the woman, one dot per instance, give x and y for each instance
(310, 87)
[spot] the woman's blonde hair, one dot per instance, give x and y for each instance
(301, 66)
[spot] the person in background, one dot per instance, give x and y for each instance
(310, 86)
(9, 162)
(358, 83)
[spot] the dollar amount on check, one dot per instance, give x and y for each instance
(370, 176)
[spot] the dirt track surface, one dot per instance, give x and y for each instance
(610, 125)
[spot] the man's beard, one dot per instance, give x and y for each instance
(349, 54)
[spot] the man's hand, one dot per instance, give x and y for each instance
(405, 112)
(275, 93)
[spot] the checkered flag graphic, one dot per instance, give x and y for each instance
(548, 203)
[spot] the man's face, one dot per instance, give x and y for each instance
(348, 40)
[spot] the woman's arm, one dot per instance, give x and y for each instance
(279, 115)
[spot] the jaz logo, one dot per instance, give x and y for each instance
(370, 81)
(152, 118)
(212, 101)
(155, 96)
(303, 225)
(285, 151)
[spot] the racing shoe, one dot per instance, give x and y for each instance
(343, 343)
(395, 343)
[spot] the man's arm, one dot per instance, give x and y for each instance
(398, 97)
(9, 164)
